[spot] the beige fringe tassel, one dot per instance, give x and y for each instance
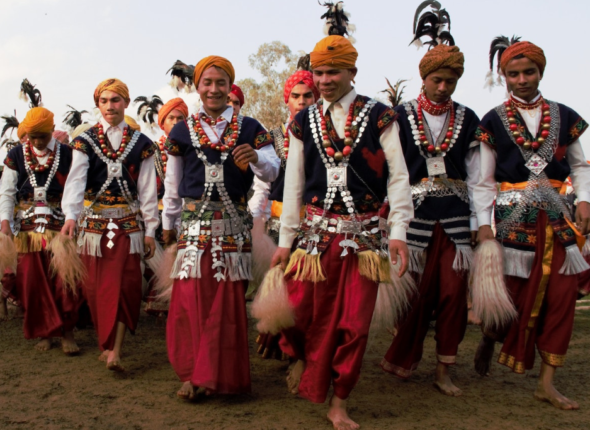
(374, 267)
(8, 254)
(66, 263)
(33, 242)
(309, 267)
(271, 306)
(164, 277)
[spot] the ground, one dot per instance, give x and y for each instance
(52, 391)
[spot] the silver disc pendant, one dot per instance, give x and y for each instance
(436, 166)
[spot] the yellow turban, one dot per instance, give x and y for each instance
(440, 57)
(171, 105)
(334, 51)
(38, 120)
(114, 85)
(132, 123)
(213, 60)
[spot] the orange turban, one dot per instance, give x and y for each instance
(529, 50)
(114, 85)
(211, 61)
(38, 120)
(132, 123)
(440, 57)
(177, 104)
(335, 51)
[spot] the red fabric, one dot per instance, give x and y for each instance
(553, 328)
(207, 332)
(113, 288)
(584, 281)
(48, 308)
(442, 294)
(300, 76)
(237, 91)
(332, 320)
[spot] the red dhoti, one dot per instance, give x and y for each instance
(49, 309)
(332, 320)
(584, 281)
(207, 332)
(546, 305)
(113, 288)
(442, 294)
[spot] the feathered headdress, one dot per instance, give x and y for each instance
(394, 94)
(10, 123)
(304, 63)
(73, 118)
(434, 24)
(497, 48)
(182, 76)
(337, 21)
(29, 93)
(148, 108)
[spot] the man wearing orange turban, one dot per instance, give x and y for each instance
(438, 139)
(531, 142)
(213, 158)
(345, 159)
(33, 184)
(111, 191)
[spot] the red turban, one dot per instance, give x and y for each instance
(214, 61)
(114, 85)
(37, 120)
(174, 104)
(440, 57)
(237, 91)
(300, 76)
(335, 51)
(529, 50)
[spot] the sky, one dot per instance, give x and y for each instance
(66, 47)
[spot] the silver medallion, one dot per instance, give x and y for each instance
(115, 170)
(336, 176)
(536, 164)
(436, 166)
(40, 194)
(214, 173)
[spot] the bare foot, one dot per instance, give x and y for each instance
(68, 344)
(294, 376)
(187, 391)
(484, 355)
(339, 417)
(114, 362)
(43, 345)
(3, 309)
(104, 355)
(551, 395)
(444, 383)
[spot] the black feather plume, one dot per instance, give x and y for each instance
(28, 90)
(148, 108)
(304, 63)
(10, 123)
(73, 118)
(337, 20)
(395, 93)
(498, 46)
(434, 24)
(182, 75)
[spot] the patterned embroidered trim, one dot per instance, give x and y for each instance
(555, 360)
(510, 362)
(577, 130)
(485, 136)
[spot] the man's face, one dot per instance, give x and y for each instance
(234, 101)
(112, 107)
(333, 83)
(40, 140)
(301, 97)
(213, 89)
(173, 117)
(439, 86)
(522, 78)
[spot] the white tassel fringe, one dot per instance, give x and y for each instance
(574, 262)
(463, 258)
(417, 260)
(271, 306)
(518, 263)
(136, 243)
(90, 245)
(491, 302)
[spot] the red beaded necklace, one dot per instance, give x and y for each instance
(163, 155)
(229, 138)
(348, 142)
(286, 142)
(106, 149)
(430, 147)
(514, 126)
(33, 162)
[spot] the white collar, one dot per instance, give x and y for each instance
(345, 101)
(52, 144)
(106, 125)
(226, 115)
(537, 97)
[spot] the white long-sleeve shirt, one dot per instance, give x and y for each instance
(266, 169)
(8, 186)
(485, 189)
(73, 199)
(398, 184)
